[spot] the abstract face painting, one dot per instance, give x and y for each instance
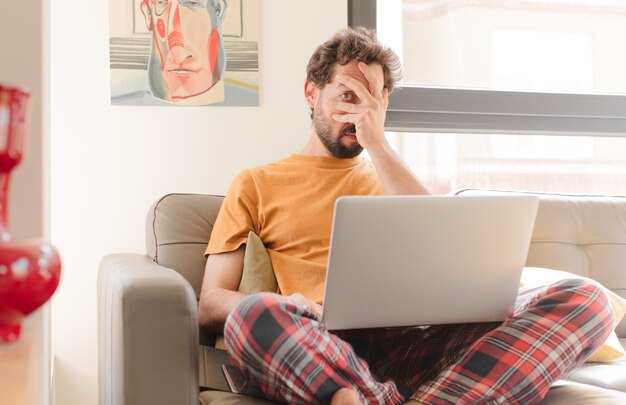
(187, 59)
(184, 52)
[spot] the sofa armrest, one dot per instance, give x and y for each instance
(147, 334)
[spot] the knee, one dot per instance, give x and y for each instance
(582, 288)
(249, 314)
(257, 323)
(586, 296)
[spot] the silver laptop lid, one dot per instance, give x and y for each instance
(425, 260)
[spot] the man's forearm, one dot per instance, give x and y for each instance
(397, 178)
(214, 307)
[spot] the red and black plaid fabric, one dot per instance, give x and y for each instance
(286, 351)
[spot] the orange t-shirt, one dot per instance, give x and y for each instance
(290, 205)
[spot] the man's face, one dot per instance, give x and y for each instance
(188, 56)
(339, 138)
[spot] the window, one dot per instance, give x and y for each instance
(449, 161)
(473, 65)
(514, 94)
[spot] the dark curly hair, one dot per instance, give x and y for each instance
(348, 44)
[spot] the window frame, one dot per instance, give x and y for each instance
(438, 109)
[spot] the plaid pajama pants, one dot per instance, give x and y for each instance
(286, 351)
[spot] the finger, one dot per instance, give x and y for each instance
(357, 87)
(349, 107)
(318, 309)
(351, 118)
(375, 85)
(298, 298)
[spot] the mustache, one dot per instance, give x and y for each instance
(348, 129)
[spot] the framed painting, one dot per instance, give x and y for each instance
(184, 52)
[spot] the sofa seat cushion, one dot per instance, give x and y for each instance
(611, 375)
(227, 398)
(573, 393)
(562, 393)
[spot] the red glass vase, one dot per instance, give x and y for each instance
(29, 269)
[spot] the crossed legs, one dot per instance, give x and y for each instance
(285, 350)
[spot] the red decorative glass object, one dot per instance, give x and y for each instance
(29, 269)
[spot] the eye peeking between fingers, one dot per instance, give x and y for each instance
(348, 97)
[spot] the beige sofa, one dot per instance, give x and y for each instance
(147, 313)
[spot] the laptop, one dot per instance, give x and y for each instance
(425, 260)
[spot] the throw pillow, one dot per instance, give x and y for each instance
(258, 273)
(611, 349)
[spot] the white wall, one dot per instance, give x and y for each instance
(108, 164)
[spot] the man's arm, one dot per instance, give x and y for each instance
(396, 177)
(368, 117)
(219, 294)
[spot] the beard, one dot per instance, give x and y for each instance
(331, 141)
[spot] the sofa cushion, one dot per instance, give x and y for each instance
(574, 393)
(227, 398)
(178, 227)
(258, 274)
(562, 393)
(611, 376)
